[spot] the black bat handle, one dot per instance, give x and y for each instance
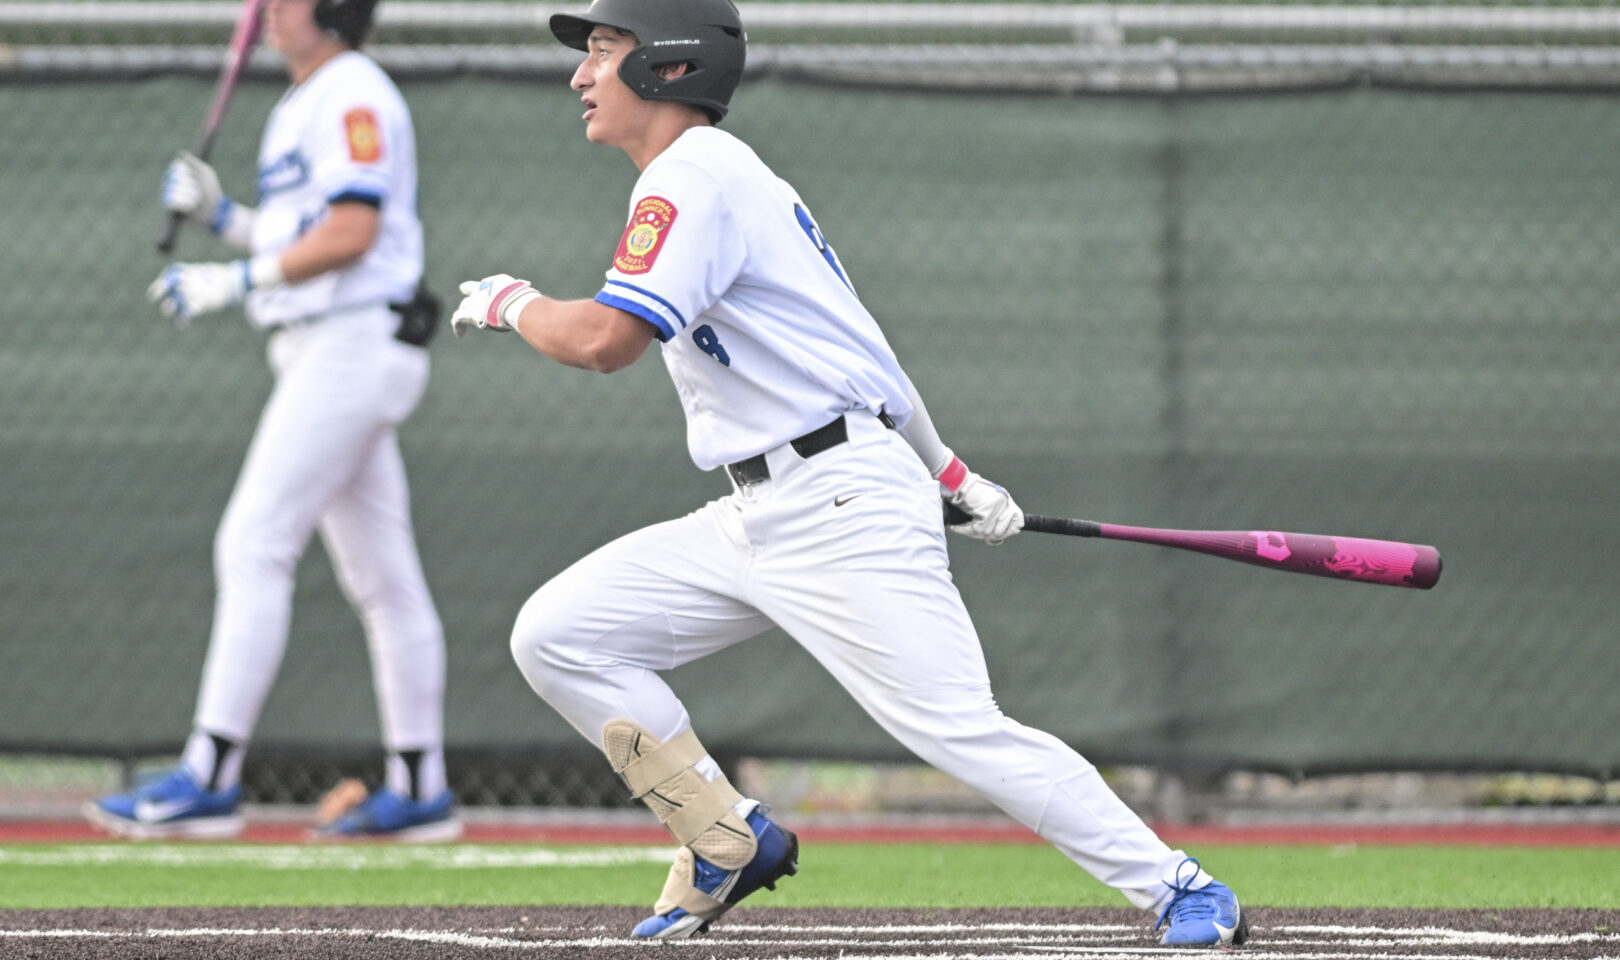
(165, 243)
(171, 231)
(1067, 526)
(1033, 522)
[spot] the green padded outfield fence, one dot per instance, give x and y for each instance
(1368, 312)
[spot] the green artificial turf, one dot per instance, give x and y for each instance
(898, 875)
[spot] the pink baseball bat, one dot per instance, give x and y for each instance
(1389, 562)
(243, 38)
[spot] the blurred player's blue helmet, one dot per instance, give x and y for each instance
(349, 19)
(705, 34)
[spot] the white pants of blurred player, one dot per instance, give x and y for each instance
(865, 588)
(325, 456)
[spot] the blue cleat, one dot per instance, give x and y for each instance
(777, 856)
(167, 805)
(1206, 917)
(385, 815)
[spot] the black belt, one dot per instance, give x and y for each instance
(819, 440)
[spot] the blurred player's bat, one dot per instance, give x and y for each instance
(1388, 562)
(243, 39)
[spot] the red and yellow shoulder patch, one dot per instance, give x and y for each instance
(365, 136)
(644, 235)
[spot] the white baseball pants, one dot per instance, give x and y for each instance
(325, 456)
(865, 588)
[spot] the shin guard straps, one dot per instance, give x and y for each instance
(699, 813)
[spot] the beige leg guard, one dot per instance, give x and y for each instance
(697, 812)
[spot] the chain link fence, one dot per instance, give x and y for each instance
(1343, 269)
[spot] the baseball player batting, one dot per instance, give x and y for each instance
(334, 259)
(831, 529)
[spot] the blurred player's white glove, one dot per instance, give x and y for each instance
(493, 303)
(186, 290)
(191, 188)
(995, 516)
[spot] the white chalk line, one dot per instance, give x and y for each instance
(1415, 935)
(1346, 936)
(1447, 935)
(1044, 939)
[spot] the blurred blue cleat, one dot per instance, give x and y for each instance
(167, 805)
(1206, 917)
(386, 815)
(776, 856)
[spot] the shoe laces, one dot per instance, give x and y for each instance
(1187, 904)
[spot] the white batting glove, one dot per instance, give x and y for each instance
(187, 290)
(191, 188)
(493, 303)
(995, 516)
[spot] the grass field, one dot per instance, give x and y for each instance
(831, 875)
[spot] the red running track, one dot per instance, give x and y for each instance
(590, 833)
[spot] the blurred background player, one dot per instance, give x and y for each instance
(334, 272)
(833, 527)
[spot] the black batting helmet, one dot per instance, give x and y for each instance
(349, 19)
(705, 34)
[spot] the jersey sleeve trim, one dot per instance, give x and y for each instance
(370, 198)
(356, 183)
(647, 305)
(661, 328)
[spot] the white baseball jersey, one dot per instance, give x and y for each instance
(762, 332)
(344, 134)
(844, 549)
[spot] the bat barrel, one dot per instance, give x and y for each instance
(1388, 562)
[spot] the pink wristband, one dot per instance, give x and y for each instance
(952, 476)
(499, 301)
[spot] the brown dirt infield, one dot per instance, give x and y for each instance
(597, 933)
